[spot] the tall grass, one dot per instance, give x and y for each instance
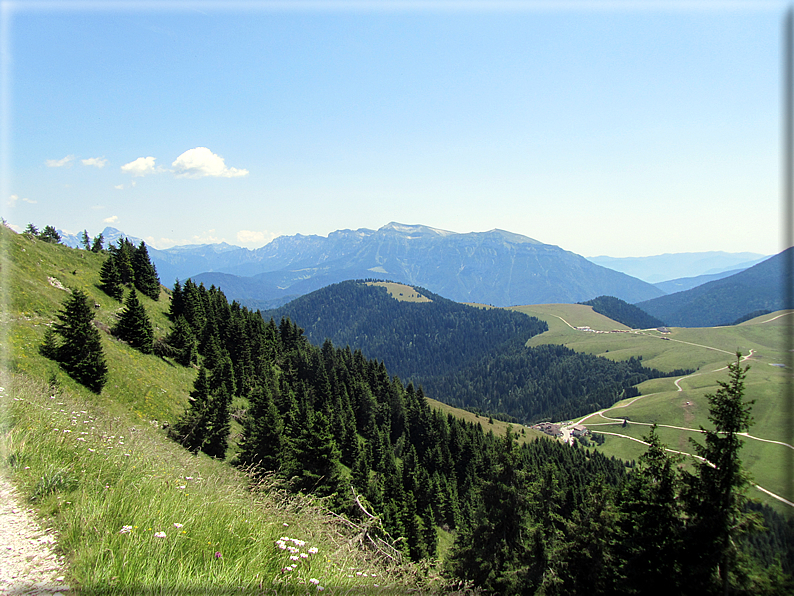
(137, 514)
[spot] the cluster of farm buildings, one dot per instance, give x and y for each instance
(555, 430)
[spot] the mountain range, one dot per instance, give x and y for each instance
(496, 267)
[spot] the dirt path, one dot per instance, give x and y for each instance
(28, 562)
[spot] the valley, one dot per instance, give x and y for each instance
(678, 405)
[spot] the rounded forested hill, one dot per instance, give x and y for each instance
(623, 312)
(415, 340)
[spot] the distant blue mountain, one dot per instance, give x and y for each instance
(671, 266)
(721, 302)
(687, 283)
(496, 267)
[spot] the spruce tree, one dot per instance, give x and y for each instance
(122, 257)
(50, 235)
(216, 440)
(653, 523)
(146, 279)
(314, 457)
(110, 279)
(134, 325)
(716, 496)
(81, 353)
(193, 426)
(184, 342)
(263, 430)
(96, 246)
(31, 230)
(177, 306)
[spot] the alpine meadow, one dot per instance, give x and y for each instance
(180, 443)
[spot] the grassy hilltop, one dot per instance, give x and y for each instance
(709, 350)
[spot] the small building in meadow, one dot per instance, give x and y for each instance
(579, 430)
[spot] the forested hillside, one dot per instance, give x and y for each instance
(323, 418)
(623, 312)
(522, 515)
(466, 356)
(415, 340)
(548, 382)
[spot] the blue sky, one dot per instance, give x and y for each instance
(621, 129)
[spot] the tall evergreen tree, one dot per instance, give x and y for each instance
(31, 230)
(50, 234)
(85, 241)
(97, 244)
(146, 279)
(122, 256)
(716, 496)
(494, 549)
(314, 458)
(134, 325)
(217, 439)
(110, 279)
(193, 426)
(653, 524)
(81, 353)
(184, 342)
(263, 429)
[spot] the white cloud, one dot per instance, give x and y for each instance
(58, 163)
(160, 244)
(201, 162)
(259, 238)
(12, 200)
(206, 237)
(111, 219)
(98, 162)
(119, 187)
(140, 167)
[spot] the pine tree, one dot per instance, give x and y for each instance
(134, 325)
(50, 235)
(177, 306)
(653, 523)
(122, 257)
(314, 457)
(263, 430)
(81, 353)
(31, 230)
(184, 342)
(216, 440)
(85, 241)
(97, 244)
(494, 549)
(146, 279)
(716, 496)
(193, 426)
(110, 279)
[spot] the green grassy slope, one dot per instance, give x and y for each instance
(709, 350)
(92, 464)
